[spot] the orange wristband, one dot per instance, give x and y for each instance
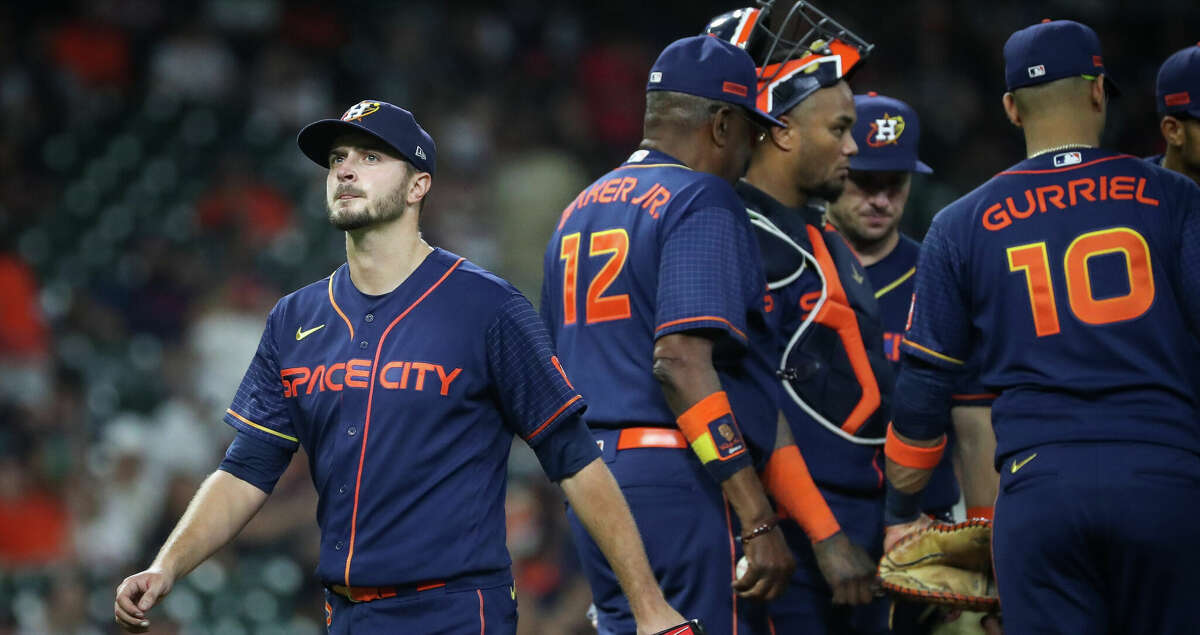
(985, 513)
(712, 432)
(694, 421)
(789, 482)
(912, 456)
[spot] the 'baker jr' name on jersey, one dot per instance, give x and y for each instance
(356, 373)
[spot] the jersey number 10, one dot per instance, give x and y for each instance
(1031, 259)
(599, 307)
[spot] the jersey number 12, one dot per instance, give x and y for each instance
(599, 307)
(1031, 259)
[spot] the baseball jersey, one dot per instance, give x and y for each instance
(1076, 278)
(832, 365)
(654, 248)
(406, 404)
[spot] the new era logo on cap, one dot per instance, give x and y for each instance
(1036, 71)
(420, 152)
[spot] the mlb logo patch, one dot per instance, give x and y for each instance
(1036, 71)
(1067, 158)
(655, 77)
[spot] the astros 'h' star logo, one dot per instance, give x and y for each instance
(360, 110)
(885, 130)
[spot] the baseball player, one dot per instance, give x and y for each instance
(1073, 276)
(654, 297)
(828, 344)
(403, 375)
(868, 215)
(1178, 97)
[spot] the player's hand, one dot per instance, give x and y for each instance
(136, 595)
(847, 569)
(662, 618)
(769, 566)
(892, 534)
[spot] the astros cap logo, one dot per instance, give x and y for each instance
(360, 110)
(885, 130)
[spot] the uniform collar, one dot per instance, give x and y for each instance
(646, 156)
(790, 219)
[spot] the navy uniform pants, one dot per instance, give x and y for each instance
(1098, 538)
(807, 606)
(487, 611)
(688, 533)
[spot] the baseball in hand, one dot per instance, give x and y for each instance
(740, 569)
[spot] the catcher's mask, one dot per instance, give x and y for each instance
(797, 53)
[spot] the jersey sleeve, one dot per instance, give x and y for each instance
(702, 275)
(532, 388)
(1189, 258)
(939, 327)
(259, 408)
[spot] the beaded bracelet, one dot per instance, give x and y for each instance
(760, 530)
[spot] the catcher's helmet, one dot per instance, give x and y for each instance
(797, 53)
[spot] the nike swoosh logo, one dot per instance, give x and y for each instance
(1020, 464)
(301, 334)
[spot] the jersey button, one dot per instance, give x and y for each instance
(342, 490)
(352, 431)
(370, 317)
(363, 344)
(338, 546)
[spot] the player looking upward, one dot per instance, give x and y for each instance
(407, 373)
(1075, 277)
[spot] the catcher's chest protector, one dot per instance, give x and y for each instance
(832, 363)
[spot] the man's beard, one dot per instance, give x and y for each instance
(828, 191)
(390, 207)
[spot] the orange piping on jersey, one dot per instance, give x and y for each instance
(1069, 168)
(482, 623)
(362, 454)
(263, 428)
(732, 559)
(653, 165)
(838, 316)
(930, 351)
(552, 417)
(974, 397)
(339, 311)
(430, 585)
(701, 318)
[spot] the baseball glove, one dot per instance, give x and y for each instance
(950, 565)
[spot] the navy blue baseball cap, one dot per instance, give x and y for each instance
(1053, 50)
(709, 67)
(392, 125)
(887, 132)
(1178, 86)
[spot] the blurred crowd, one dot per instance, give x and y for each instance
(153, 206)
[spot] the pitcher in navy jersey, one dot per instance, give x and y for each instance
(868, 214)
(1177, 95)
(653, 296)
(405, 379)
(1075, 276)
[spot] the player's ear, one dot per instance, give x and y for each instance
(1099, 98)
(721, 126)
(1010, 109)
(418, 187)
(1172, 130)
(784, 137)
